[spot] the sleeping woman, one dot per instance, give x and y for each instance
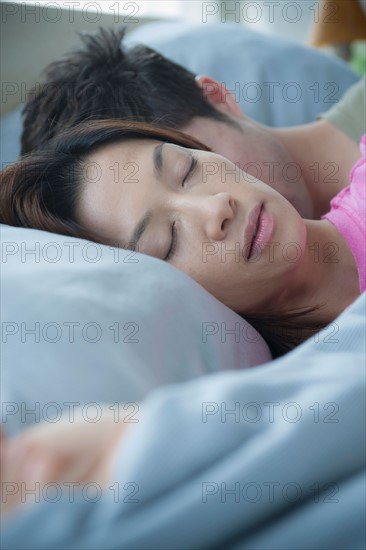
(162, 193)
(165, 194)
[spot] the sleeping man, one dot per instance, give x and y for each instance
(307, 164)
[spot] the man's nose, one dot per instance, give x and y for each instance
(215, 214)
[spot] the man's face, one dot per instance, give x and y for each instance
(251, 147)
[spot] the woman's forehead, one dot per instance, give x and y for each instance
(131, 147)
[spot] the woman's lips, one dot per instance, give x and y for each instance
(263, 234)
(250, 229)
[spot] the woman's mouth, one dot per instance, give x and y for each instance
(255, 234)
(259, 231)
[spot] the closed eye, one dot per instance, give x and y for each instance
(173, 246)
(191, 169)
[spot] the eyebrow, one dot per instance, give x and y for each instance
(145, 221)
(158, 158)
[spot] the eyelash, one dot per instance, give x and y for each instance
(174, 243)
(174, 230)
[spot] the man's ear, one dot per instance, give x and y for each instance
(219, 96)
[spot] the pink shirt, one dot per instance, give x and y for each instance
(348, 214)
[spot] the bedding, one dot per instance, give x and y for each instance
(83, 322)
(270, 458)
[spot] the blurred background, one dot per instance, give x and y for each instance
(33, 33)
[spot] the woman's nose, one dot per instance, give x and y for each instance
(215, 214)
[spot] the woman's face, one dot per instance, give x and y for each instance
(214, 208)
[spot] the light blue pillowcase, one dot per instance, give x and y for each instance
(85, 323)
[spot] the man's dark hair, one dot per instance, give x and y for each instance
(105, 80)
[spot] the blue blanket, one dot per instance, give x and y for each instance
(267, 458)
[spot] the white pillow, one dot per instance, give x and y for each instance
(86, 323)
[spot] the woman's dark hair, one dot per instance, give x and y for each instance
(41, 191)
(285, 331)
(105, 80)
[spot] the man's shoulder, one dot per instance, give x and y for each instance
(349, 114)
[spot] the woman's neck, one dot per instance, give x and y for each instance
(327, 275)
